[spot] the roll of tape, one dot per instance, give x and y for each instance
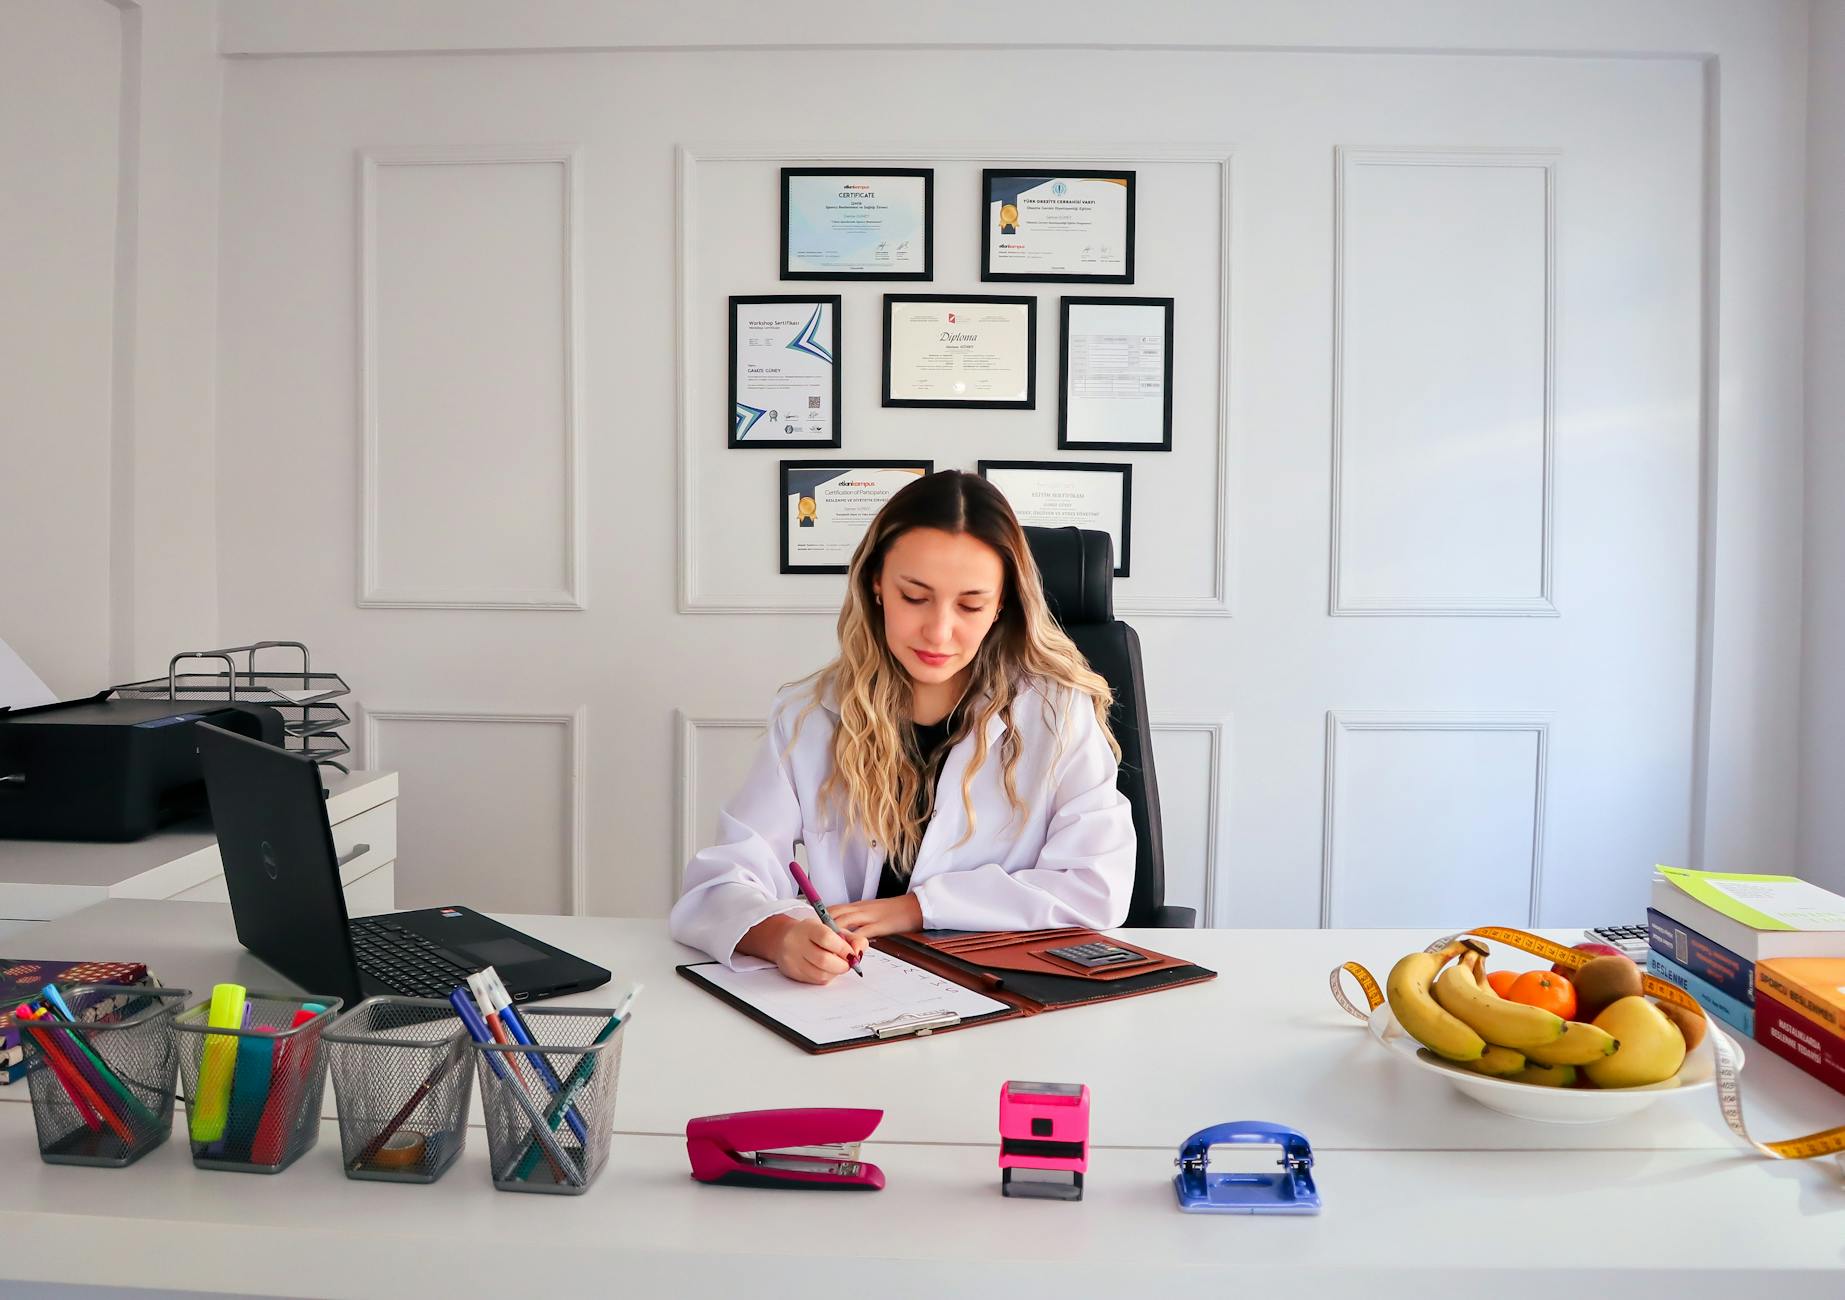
(402, 1149)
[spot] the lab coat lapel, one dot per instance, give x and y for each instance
(949, 823)
(950, 820)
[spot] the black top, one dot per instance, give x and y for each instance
(932, 744)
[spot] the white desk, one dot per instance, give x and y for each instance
(41, 880)
(1423, 1188)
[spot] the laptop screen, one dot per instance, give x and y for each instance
(270, 816)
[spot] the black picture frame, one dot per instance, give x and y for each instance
(744, 300)
(783, 470)
(928, 179)
(990, 174)
(1064, 442)
(1028, 301)
(1126, 472)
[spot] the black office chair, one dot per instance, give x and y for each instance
(1078, 568)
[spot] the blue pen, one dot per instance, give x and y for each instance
(477, 1030)
(92, 1065)
(502, 1003)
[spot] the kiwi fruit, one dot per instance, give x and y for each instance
(1603, 981)
(1689, 1022)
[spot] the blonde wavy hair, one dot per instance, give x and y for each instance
(877, 772)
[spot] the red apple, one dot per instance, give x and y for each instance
(1592, 950)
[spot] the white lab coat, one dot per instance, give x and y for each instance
(1066, 860)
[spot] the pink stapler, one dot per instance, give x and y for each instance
(814, 1147)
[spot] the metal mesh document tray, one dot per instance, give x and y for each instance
(305, 699)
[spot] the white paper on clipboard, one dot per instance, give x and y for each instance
(850, 1008)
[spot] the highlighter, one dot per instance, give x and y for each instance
(249, 1092)
(207, 1109)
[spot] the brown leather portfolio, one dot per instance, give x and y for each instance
(1030, 971)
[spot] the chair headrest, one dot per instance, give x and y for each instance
(1078, 568)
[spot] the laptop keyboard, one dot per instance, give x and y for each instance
(406, 962)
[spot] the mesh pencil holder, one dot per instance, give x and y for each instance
(102, 1088)
(402, 1083)
(253, 1094)
(550, 1132)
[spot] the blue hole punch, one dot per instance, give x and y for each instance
(1289, 1192)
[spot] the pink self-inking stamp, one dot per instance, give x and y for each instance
(1043, 1139)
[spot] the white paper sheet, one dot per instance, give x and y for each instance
(850, 1007)
(20, 687)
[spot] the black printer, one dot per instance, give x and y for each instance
(110, 769)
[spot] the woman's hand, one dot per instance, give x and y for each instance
(803, 950)
(876, 916)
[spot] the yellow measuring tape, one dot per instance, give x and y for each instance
(1729, 1092)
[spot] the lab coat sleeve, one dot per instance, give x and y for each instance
(743, 878)
(1085, 873)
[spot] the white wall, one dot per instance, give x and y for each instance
(590, 696)
(477, 686)
(57, 314)
(108, 329)
(1822, 678)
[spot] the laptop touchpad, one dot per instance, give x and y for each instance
(503, 952)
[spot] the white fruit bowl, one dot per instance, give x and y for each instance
(1554, 1105)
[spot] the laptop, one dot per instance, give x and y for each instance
(270, 814)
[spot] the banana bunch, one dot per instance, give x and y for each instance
(1451, 1010)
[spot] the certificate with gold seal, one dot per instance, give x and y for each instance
(974, 351)
(826, 505)
(1057, 226)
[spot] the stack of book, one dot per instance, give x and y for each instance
(21, 980)
(1763, 954)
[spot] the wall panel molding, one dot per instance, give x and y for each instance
(687, 834)
(373, 592)
(1216, 834)
(1339, 723)
(573, 722)
(1342, 603)
(693, 600)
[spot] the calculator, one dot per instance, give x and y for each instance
(1627, 939)
(1099, 955)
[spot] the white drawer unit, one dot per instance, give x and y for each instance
(363, 844)
(44, 879)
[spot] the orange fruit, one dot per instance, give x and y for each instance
(1502, 981)
(1541, 988)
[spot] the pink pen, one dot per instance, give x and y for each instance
(826, 917)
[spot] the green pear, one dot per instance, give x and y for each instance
(1651, 1047)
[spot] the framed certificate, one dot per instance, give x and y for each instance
(1115, 356)
(784, 371)
(1067, 227)
(858, 224)
(826, 505)
(974, 351)
(1069, 493)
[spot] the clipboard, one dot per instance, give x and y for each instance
(929, 989)
(1017, 969)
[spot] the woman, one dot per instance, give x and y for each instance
(951, 769)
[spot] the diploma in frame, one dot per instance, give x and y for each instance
(1058, 227)
(784, 371)
(976, 351)
(858, 224)
(1115, 357)
(1069, 493)
(825, 506)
